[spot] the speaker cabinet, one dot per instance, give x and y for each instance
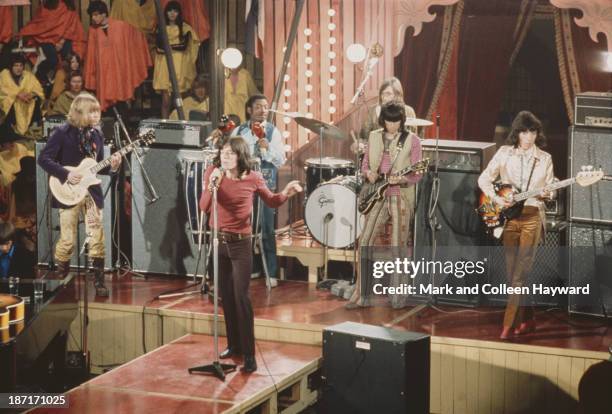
(49, 219)
(370, 369)
(550, 267)
(459, 232)
(161, 235)
(591, 146)
(591, 263)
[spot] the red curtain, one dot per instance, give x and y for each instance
(423, 62)
(490, 31)
(582, 62)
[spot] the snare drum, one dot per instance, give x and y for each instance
(193, 175)
(322, 170)
(330, 213)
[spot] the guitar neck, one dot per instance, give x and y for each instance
(550, 187)
(106, 162)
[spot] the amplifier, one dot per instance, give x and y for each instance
(54, 121)
(178, 133)
(371, 369)
(50, 123)
(468, 156)
(593, 109)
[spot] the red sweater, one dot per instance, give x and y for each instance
(235, 200)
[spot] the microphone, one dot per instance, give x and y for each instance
(328, 217)
(214, 179)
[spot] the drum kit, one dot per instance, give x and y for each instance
(332, 189)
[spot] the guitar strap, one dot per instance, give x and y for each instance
(400, 146)
(531, 173)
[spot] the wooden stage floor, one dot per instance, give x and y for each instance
(301, 303)
(159, 382)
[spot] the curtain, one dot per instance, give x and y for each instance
(423, 63)
(582, 62)
(491, 33)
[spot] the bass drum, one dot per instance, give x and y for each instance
(330, 213)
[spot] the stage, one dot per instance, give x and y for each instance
(471, 369)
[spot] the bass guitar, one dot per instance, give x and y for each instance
(72, 194)
(494, 215)
(371, 193)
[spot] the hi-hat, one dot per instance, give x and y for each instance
(417, 122)
(320, 127)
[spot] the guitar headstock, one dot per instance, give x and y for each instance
(148, 137)
(421, 166)
(588, 176)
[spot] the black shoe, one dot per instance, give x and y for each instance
(249, 364)
(229, 352)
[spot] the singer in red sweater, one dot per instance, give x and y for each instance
(236, 184)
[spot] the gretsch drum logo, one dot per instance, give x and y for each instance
(323, 200)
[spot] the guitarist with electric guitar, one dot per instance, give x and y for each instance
(515, 209)
(391, 165)
(73, 155)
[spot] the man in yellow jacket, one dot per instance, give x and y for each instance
(20, 97)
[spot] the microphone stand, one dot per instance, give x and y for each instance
(432, 218)
(135, 152)
(216, 368)
(84, 335)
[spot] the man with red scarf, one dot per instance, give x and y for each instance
(117, 58)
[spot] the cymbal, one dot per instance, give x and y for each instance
(417, 122)
(318, 127)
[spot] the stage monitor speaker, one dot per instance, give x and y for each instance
(46, 242)
(460, 231)
(370, 369)
(161, 235)
(591, 263)
(590, 146)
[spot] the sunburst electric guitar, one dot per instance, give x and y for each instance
(494, 216)
(72, 194)
(371, 193)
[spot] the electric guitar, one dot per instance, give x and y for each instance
(72, 194)
(494, 216)
(371, 193)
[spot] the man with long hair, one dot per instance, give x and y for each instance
(236, 185)
(526, 166)
(390, 149)
(68, 145)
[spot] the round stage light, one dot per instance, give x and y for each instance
(356, 52)
(231, 58)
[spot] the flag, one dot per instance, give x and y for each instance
(255, 27)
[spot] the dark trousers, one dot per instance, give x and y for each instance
(521, 237)
(235, 262)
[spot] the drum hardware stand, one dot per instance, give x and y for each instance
(258, 243)
(216, 368)
(326, 283)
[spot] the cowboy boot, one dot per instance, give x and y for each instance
(98, 270)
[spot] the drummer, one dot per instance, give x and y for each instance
(266, 144)
(390, 91)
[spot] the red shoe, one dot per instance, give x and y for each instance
(506, 333)
(526, 327)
